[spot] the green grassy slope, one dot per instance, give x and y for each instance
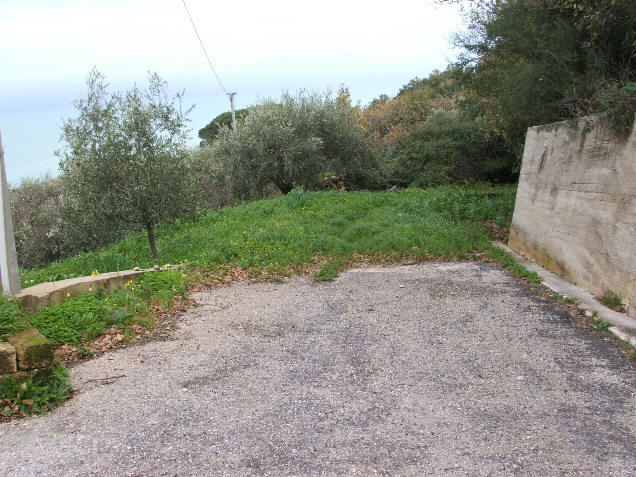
(280, 234)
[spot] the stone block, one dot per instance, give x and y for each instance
(32, 349)
(8, 362)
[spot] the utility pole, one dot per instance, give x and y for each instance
(8, 259)
(231, 95)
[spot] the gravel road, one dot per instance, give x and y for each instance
(432, 369)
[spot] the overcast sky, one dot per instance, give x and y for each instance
(259, 49)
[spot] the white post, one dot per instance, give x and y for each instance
(8, 259)
(233, 113)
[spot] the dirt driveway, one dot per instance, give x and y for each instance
(433, 369)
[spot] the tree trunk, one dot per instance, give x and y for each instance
(151, 239)
(285, 187)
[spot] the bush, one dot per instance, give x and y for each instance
(35, 205)
(448, 149)
(210, 176)
(618, 106)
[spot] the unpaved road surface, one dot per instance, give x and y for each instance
(434, 369)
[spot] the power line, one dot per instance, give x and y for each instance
(203, 48)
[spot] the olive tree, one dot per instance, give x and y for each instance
(123, 159)
(291, 142)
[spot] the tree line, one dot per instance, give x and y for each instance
(126, 168)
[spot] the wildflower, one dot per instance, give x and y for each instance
(68, 294)
(90, 288)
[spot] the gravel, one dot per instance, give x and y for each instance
(433, 369)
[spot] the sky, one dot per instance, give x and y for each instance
(259, 49)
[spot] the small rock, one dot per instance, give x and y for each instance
(136, 269)
(156, 267)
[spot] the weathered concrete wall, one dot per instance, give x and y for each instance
(575, 211)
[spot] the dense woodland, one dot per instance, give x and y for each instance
(125, 167)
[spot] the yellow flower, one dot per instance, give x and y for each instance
(68, 294)
(90, 288)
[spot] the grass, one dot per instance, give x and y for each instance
(277, 236)
(87, 316)
(11, 318)
(561, 297)
(37, 393)
(612, 300)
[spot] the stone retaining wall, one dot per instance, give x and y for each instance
(29, 350)
(575, 211)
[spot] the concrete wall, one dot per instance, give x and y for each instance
(575, 211)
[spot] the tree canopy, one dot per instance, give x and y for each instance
(209, 132)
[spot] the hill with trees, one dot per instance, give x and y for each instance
(125, 166)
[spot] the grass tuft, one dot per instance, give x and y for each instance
(37, 393)
(11, 318)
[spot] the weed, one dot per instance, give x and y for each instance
(612, 300)
(296, 198)
(329, 271)
(11, 318)
(561, 297)
(37, 393)
(85, 317)
(506, 260)
(599, 323)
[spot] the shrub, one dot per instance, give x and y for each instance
(448, 149)
(618, 106)
(35, 207)
(210, 176)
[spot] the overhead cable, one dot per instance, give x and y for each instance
(203, 48)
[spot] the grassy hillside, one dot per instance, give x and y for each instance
(276, 236)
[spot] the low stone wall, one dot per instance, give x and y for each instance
(575, 211)
(52, 293)
(29, 350)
